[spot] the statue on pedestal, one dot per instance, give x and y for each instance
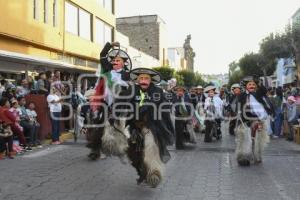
(189, 54)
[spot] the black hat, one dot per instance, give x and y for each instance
(155, 76)
(122, 54)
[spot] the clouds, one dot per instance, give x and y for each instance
(222, 30)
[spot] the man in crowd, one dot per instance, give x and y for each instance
(24, 89)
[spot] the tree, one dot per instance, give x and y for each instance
(187, 76)
(166, 72)
(198, 80)
(276, 46)
(233, 67)
(254, 64)
(235, 77)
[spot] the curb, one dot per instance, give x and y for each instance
(63, 137)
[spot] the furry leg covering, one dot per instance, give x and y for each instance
(153, 164)
(114, 140)
(261, 140)
(243, 145)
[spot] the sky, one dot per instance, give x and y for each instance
(222, 30)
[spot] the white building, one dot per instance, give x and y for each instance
(176, 58)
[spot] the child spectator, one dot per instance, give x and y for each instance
(33, 121)
(6, 141)
(16, 127)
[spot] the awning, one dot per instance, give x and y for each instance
(38, 62)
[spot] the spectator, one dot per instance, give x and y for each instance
(41, 84)
(2, 87)
(291, 116)
(11, 117)
(23, 90)
(10, 92)
(277, 101)
(49, 80)
(32, 83)
(58, 84)
(33, 121)
(6, 141)
(55, 106)
(29, 129)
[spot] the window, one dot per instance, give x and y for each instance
(108, 5)
(78, 21)
(35, 9)
(99, 37)
(103, 32)
(71, 18)
(100, 2)
(84, 24)
(45, 8)
(55, 13)
(107, 33)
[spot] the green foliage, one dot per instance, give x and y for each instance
(251, 64)
(235, 77)
(276, 46)
(198, 80)
(166, 72)
(189, 78)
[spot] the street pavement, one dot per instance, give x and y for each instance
(203, 171)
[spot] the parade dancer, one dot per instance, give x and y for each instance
(149, 133)
(252, 127)
(213, 109)
(183, 118)
(232, 106)
(115, 65)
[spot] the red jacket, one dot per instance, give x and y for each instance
(6, 116)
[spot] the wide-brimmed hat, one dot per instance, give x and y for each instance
(122, 54)
(236, 85)
(179, 87)
(199, 87)
(118, 53)
(155, 76)
(210, 87)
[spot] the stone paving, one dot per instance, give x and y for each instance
(205, 171)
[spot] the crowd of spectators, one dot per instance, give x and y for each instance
(19, 126)
(286, 104)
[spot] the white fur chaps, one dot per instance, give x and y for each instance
(248, 149)
(153, 165)
(114, 139)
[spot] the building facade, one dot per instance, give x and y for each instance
(138, 58)
(38, 35)
(146, 33)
